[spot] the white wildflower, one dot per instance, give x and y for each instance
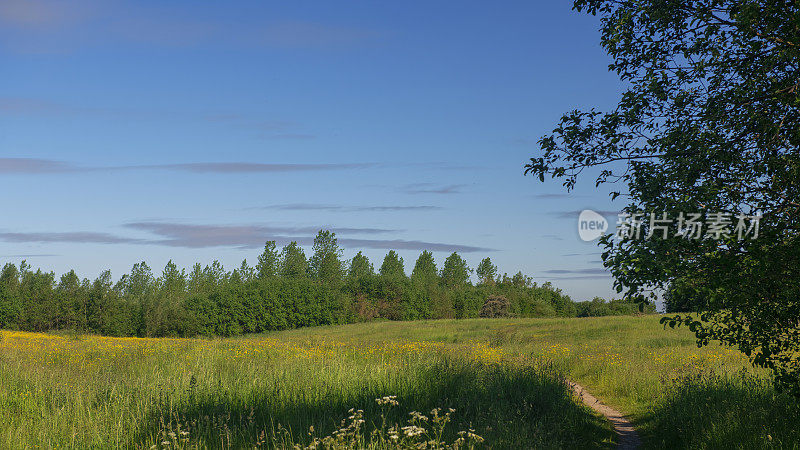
(413, 430)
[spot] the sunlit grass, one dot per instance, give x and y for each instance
(89, 391)
(504, 378)
(679, 395)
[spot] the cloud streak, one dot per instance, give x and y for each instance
(575, 213)
(264, 129)
(431, 188)
(42, 14)
(241, 236)
(399, 244)
(33, 166)
(343, 208)
(299, 35)
(79, 237)
(577, 271)
(254, 236)
(20, 105)
(555, 196)
(46, 26)
(575, 274)
(183, 235)
(578, 277)
(39, 166)
(246, 167)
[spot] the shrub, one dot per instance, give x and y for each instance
(495, 306)
(364, 309)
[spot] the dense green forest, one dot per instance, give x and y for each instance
(285, 289)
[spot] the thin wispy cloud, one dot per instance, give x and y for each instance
(556, 196)
(34, 166)
(343, 208)
(254, 236)
(202, 236)
(294, 35)
(150, 28)
(248, 121)
(43, 14)
(189, 235)
(266, 129)
(241, 236)
(577, 277)
(247, 167)
(42, 26)
(290, 136)
(182, 235)
(23, 105)
(590, 271)
(29, 255)
(573, 214)
(575, 274)
(399, 244)
(266, 125)
(13, 166)
(263, 128)
(439, 165)
(583, 254)
(76, 237)
(51, 26)
(432, 188)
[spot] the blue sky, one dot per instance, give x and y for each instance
(196, 131)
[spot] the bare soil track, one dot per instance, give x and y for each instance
(628, 438)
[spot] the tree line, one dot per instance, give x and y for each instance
(285, 289)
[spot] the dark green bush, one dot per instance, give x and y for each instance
(495, 306)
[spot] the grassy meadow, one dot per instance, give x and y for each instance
(504, 380)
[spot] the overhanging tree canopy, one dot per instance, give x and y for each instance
(710, 123)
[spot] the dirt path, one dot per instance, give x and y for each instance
(628, 437)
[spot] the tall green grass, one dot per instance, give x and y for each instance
(678, 395)
(129, 393)
(505, 379)
(722, 412)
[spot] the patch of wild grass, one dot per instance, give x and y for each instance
(680, 395)
(508, 406)
(505, 379)
(271, 391)
(722, 411)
